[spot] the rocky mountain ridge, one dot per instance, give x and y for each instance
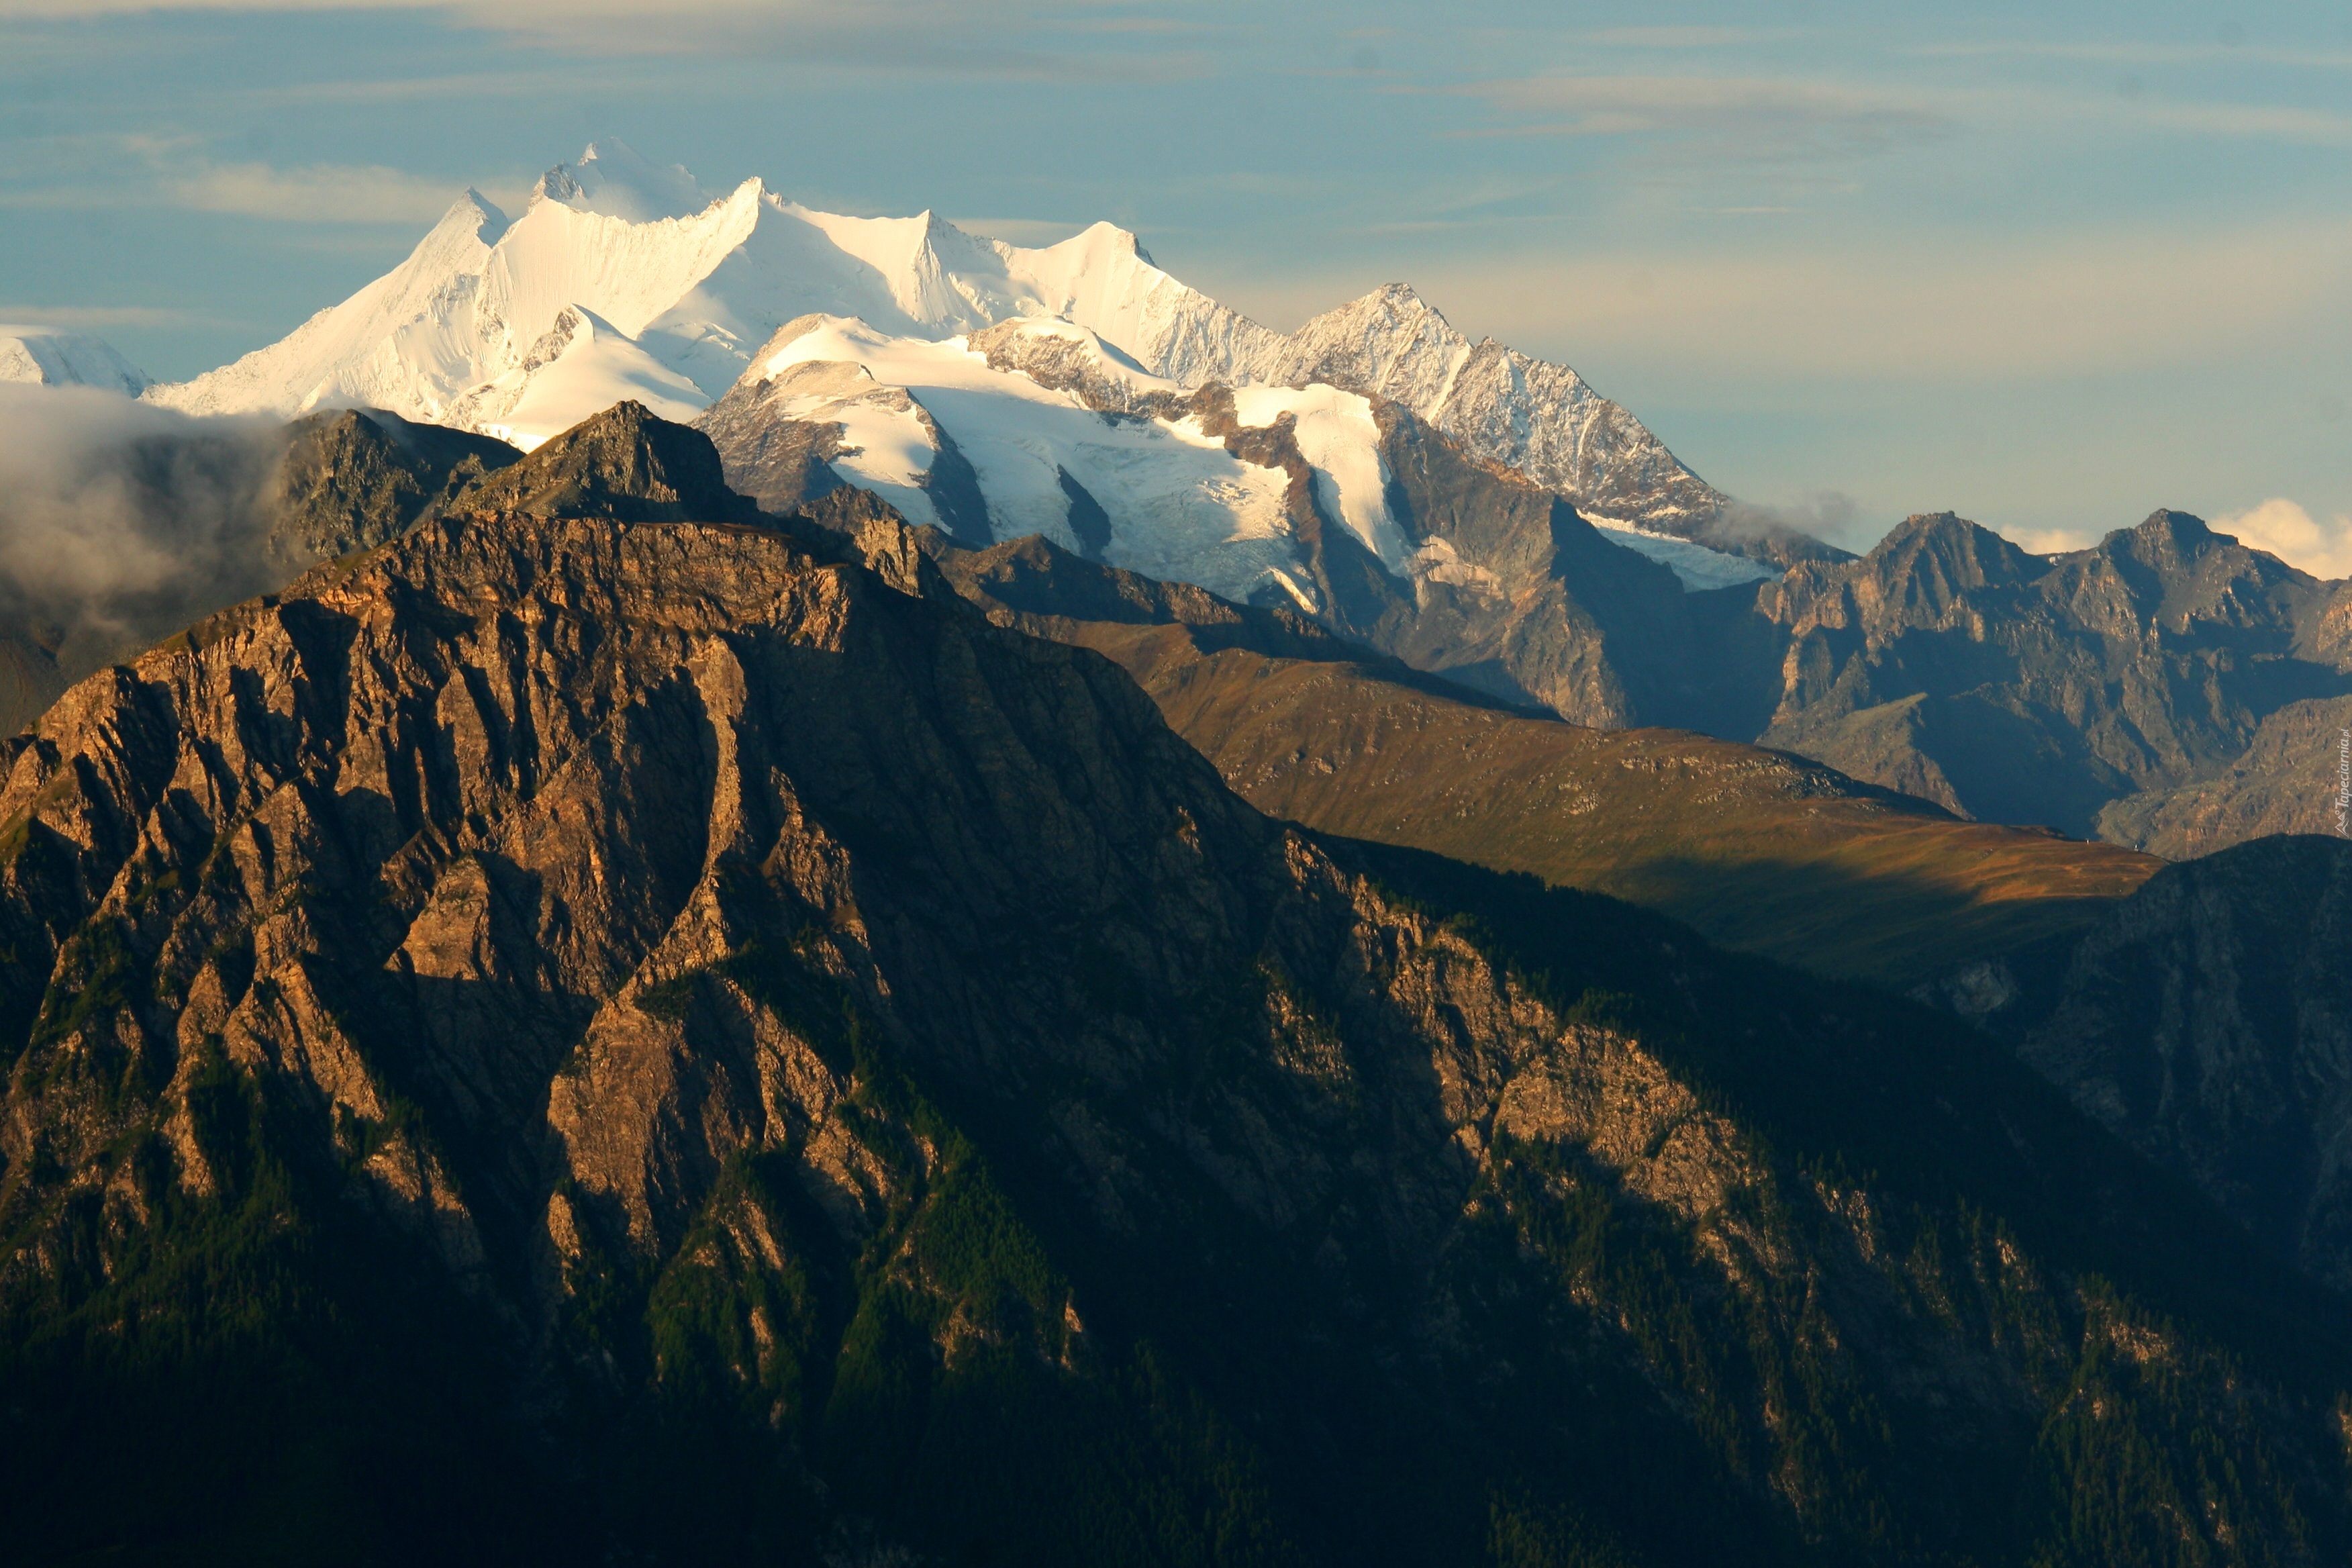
(1952, 664)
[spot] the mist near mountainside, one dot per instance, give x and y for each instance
(121, 521)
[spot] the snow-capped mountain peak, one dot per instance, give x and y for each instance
(474, 214)
(53, 356)
(612, 178)
(666, 289)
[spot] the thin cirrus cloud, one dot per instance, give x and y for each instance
(1774, 118)
(2310, 127)
(1686, 37)
(1953, 307)
(95, 317)
(145, 172)
(2139, 53)
(1747, 119)
(335, 194)
(988, 38)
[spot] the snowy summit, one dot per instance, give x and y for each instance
(979, 384)
(51, 356)
(623, 277)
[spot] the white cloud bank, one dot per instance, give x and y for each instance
(2319, 545)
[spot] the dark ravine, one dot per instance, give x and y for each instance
(672, 1047)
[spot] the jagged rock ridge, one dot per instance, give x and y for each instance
(1949, 663)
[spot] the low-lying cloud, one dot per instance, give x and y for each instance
(122, 522)
(2319, 545)
(1831, 516)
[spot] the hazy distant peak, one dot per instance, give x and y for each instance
(54, 356)
(612, 178)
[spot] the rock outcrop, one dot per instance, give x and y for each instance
(626, 464)
(351, 481)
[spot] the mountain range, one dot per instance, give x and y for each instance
(991, 915)
(624, 281)
(1472, 511)
(686, 1038)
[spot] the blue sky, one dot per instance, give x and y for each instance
(2051, 266)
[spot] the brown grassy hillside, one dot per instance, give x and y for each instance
(1757, 850)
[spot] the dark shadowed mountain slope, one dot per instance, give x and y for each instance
(2289, 779)
(626, 464)
(351, 480)
(2208, 1020)
(1757, 849)
(1952, 664)
(664, 1044)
